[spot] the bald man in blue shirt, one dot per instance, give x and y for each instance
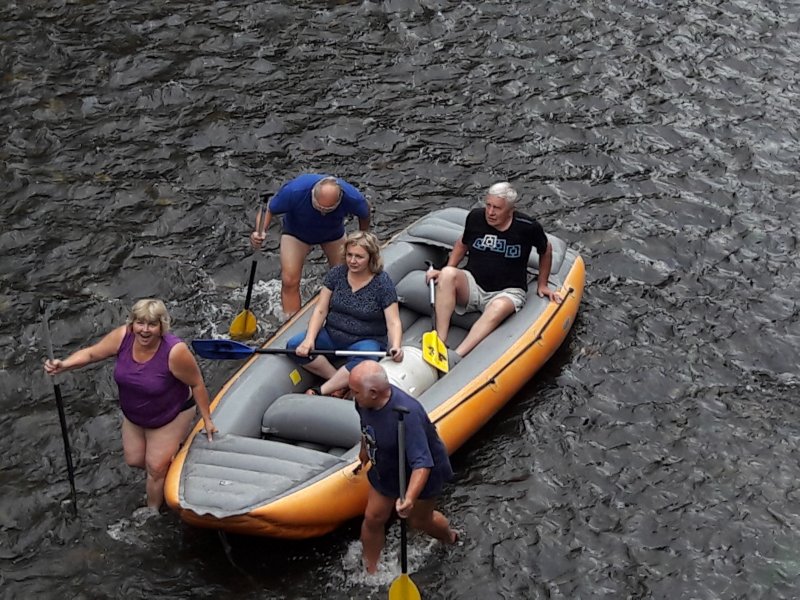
(314, 208)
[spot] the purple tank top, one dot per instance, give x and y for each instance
(149, 394)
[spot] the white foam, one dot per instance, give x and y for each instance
(355, 575)
(130, 530)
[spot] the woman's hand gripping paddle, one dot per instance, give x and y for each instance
(60, 405)
(434, 350)
(245, 324)
(402, 587)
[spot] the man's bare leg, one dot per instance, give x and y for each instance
(373, 534)
(451, 287)
(432, 522)
(293, 256)
(333, 251)
(495, 313)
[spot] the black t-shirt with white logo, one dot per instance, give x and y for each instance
(499, 259)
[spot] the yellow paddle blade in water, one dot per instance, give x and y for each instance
(243, 326)
(403, 588)
(434, 351)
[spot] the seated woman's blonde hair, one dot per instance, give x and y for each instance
(370, 243)
(151, 310)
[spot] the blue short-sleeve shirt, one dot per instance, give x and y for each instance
(303, 221)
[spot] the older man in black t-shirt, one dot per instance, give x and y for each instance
(494, 280)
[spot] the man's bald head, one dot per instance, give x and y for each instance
(370, 384)
(326, 194)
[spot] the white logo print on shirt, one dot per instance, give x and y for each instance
(492, 243)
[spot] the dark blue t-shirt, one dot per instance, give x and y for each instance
(358, 316)
(303, 221)
(424, 447)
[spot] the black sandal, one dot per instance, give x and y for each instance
(314, 391)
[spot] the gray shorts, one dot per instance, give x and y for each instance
(479, 298)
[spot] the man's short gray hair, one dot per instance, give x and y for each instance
(505, 191)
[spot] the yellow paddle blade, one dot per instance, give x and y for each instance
(403, 588)
(434, 351)
(243, 326)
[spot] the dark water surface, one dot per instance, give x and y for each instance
(658, 453)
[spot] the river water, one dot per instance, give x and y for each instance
(656, 455)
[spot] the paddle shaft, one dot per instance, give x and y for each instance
(432, 286)
(233, 350)
(434, 351)
(61, 415)
(401, 463)
(259, 215)
(323, 352)
(250, 285)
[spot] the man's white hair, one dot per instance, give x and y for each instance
(505, 191)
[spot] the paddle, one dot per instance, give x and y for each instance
(402, 587)
(60, 405)
(231, 350)
(245, 324)
(433, 349)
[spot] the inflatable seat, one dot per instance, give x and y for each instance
(318, 422)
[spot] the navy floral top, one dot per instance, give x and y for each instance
(357, 316)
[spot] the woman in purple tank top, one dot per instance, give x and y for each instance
(159, 385)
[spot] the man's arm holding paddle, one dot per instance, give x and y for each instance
(260, 234)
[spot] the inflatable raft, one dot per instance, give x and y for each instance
(284, 464)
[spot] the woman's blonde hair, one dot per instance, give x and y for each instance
(151, 310)
(369, 242)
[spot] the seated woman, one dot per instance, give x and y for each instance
(357, 310)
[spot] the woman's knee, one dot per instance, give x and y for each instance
(134, 459)
(157, 466)
(295, 341)
(364, 346)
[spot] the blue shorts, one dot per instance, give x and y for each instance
(324, 341)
